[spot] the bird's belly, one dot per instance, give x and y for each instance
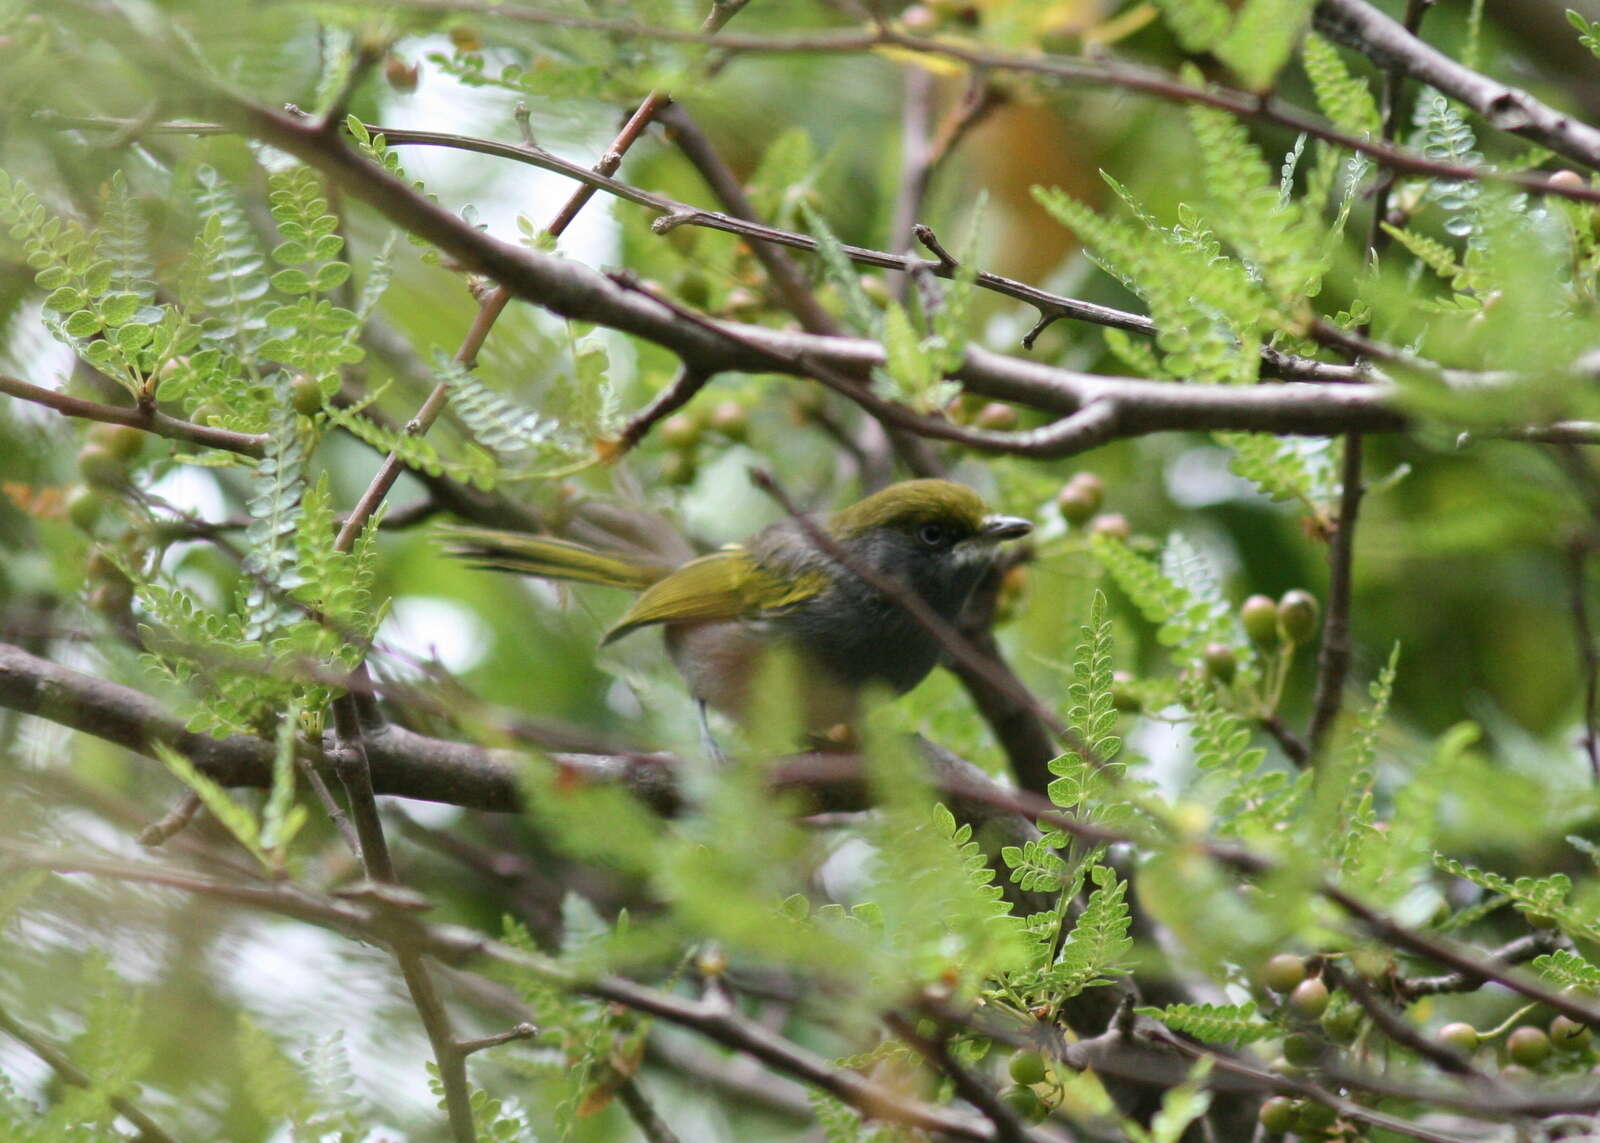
(722, 662)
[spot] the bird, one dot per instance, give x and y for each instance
(722, 612)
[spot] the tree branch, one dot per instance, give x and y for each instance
(1388, 44)
(150, 420)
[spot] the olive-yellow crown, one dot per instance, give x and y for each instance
(910, 504)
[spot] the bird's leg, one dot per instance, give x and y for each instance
(708, 740)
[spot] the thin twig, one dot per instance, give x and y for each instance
(171, 823)
(674, 397)
(1333, 660)
(1588, 657)
(522, 1031)
(355, 771)
(1523, 948)
(1394, 1026)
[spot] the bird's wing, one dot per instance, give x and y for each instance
(723, 585)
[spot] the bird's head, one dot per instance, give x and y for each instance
(936, 535)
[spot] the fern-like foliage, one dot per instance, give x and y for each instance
(859, 312)
(1097, 948)
(1345, 100)
(1179, 594)
(278, 483)
(1262, 39)
(477, 467)
(1567, 969)
(525, 443)
(110, 1054)
(1207, 309)
(924, 341)
(1445, 137)
(1345, 810)
(1542, 898)
(580, 1040)
(1277, 239)
(1233, 1025)
(97, 284)
(1251, 799)
(311, 334)
(312, 1096)
(1255, 41)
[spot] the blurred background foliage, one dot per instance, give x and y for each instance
(1463, 556)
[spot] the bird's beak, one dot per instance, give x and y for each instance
(998, 528)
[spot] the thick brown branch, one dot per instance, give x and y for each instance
(1388, 44)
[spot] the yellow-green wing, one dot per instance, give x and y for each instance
(723, 585)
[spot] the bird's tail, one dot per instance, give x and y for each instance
(548, 558)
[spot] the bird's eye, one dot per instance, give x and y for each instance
(931, 534)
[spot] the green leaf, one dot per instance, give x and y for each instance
(841, 273)
(230, 814)
(1344, 99)
(331, 276)
(290, 253)
(1096, 948)
(1234, 1025)
(1566, 969)
(292, 282)
(1261, 39)
(66, 299)
(83, 323)
(1198, 24)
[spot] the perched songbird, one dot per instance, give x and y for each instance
(721, 611)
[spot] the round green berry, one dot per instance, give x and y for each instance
(1568, 1035)
(305, 395)
(100, 467)
(1112, 525)
(1342, 1023)
(1309, 1000)
(1297, 616)
(1080, 498)
(1027, 1068)
(1026, 1104)
(1528, 1046)
(679, 431)
(731, 420)
(1313, 1118)
(1302, 1049)
(1459, 1036)
(1277, 1115)
(1220, 662)
(122, 441)
(1283, 972)
(1260, 618)
(85, 506)
(678, 468)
